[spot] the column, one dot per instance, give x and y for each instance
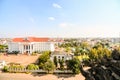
(30, 48)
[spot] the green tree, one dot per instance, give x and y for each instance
(3, 48)
(74, 65)
(61, 64)
(5, 69)
(68, 49)
(84, 45)
(97, 53)
(49, 66)
(43, 58)
(55, 61)
(32, 67)
(77, 51)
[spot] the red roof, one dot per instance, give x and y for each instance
(30, 39)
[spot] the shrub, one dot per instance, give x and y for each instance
(5, 69)
(34, 54)
(32, 67)
(49, 66)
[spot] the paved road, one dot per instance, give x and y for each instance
(20, 76)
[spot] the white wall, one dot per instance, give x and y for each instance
(37, 46)
(13, 46)
(43, 46)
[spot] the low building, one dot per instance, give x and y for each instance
(31, 44)
(61, 56)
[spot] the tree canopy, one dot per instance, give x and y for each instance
(74, 65)
(49, 66)
(44, 58)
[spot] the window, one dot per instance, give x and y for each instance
(26, 46)
(58, 56)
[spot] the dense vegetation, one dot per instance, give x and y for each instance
(3, 48)
(45, 63)
(106, 68)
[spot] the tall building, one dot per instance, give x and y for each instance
(31, 44)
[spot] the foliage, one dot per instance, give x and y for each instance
(34, 54)
(55, 61)
(32, 67)
(3, 48)
(98, 53)
(83, 57)
(16, 67)
(84, 45)
(74, 65)
(67, 49)
(104, 68)
(61, 64)
(115, 54)
(77, 51)
(41, 65)
(49, 66)
(44, 58)
(5, 69)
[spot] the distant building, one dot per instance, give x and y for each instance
(31, 44)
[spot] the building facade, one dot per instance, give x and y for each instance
(61, 56)
(31, 44)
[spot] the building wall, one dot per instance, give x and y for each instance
(61, 56)
(13, 46)
(31, 46)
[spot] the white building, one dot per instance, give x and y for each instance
(61, 56)
(31, 44)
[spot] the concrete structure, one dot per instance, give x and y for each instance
(31, 44)
(61, 55)
(2, 64)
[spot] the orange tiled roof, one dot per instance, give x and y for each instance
(30, 39)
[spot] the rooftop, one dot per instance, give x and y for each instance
(36, 39)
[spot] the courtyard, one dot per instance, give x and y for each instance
(21, 58)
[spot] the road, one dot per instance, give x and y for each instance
(22, 76)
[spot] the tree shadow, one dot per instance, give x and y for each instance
(64, 75)
(38, 74)
(55, 74)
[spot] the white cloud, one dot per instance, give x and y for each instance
(31, 19)
(51, 18)
(55, 5)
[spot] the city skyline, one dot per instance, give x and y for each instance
(60, 18)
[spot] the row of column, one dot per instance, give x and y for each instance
(25, 48)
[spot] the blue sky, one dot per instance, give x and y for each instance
(59, 18)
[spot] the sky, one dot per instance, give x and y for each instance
(60, 18)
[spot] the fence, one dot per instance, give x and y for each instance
(22, 70)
